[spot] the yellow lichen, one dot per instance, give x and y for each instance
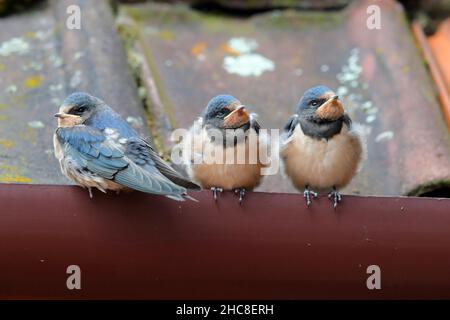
(30, 34)
(166, 35)
(7, 178)
(10, 174)
(3, 117)
(33, 82)
(6, 143)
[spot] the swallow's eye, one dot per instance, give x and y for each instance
(314, 103)
(222, 113)
(79, 110)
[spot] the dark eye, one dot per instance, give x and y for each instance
(314, 103)
(79, 110)
(221, 113)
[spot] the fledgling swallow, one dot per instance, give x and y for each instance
(96, 148)
(320, 149)
(226, 115)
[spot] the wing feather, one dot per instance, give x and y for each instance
(109, 160)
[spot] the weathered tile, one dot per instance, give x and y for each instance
(267, 61)
(41, 62)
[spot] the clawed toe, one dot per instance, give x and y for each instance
(216, 191)
(335, 197)
(307, 195)
(241, 192)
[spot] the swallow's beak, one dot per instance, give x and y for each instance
(236, 118)
(332, 109)
(62, 115)
(67, 120)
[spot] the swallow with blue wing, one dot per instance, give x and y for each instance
(96, 148)
(320, 149)
(225, 120)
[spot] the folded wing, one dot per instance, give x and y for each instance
(111, 160)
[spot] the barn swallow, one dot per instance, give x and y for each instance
(320, 149)
(96, 148)
(226, 115)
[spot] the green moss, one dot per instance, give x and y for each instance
(163, 16)
(301, 19)
(129, 30)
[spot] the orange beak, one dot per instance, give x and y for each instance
(236, 118)
(332, 109)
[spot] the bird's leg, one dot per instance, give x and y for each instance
(241, 192)
(335, 196)
(307, 195)
(90, 192)
(215, 191)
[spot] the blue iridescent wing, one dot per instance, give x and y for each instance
(109, 160)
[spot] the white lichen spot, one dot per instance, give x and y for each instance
(78, 55)
(55, 60)
(298, 72)
(201, 57)
(168, 63)
(324, 68)
(43, 34)
(56, 87)
(248, 65)
(342, 91)
(372, 111)
(371, 118)
(36, 124)
(75, 81)
(367, 105)
(33, 65)
(384, 136)
(11, 89)
(14, 46)
(242, 45)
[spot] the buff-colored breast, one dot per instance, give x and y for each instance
(322, 164)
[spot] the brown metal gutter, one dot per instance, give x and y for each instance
(143, 246)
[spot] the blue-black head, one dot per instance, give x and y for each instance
(78, 107)
(320, 103)
(225, 112)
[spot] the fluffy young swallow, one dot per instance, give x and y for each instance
(225, 126)
(320, 150)
(96, 148)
